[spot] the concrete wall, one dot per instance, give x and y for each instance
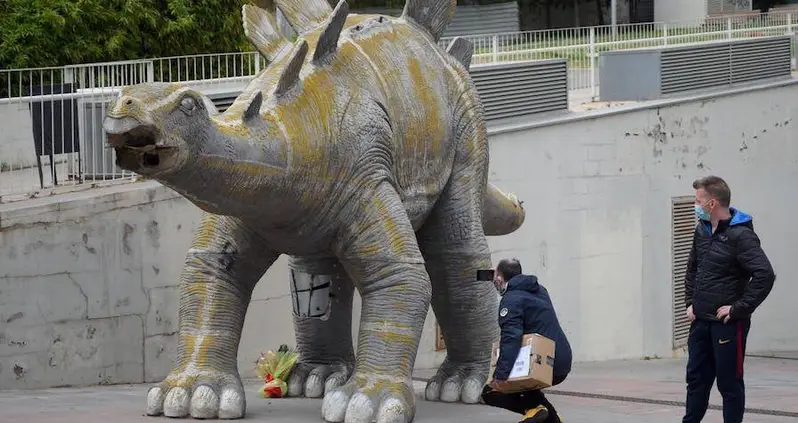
(598, 190)
(16, 138)
(679, 10)
(89, 290)
(88, 280)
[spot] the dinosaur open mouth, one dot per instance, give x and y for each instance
(132, 135)
(148, 158)
(137, 145)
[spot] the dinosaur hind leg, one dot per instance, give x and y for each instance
(454, 246)
(322, 297)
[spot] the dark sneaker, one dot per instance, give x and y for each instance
(538, 414)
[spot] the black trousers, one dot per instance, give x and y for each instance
(521, 402)
(716, 350)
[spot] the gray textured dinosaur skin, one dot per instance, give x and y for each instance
(361, 152)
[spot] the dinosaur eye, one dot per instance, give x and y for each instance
(188, 105)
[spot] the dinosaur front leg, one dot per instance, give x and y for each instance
(455, 247)
(222, 267)
(378, 248)
(322, 298)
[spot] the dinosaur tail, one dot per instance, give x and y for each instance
(432, 15)
(502, 213)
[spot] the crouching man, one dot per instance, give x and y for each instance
(525, 308)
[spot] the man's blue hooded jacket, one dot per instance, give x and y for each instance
(526, 308)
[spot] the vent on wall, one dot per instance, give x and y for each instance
(651, 73)
(224, 100)
(522, 88)
(683, 227)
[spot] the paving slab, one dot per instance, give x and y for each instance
(125, 404)
(607, 392)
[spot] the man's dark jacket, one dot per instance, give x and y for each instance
(526, 308)
(727, 268)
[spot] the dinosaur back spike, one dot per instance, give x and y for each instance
(304, 15)
(260, 26)
(328, 40)
(253, 110)
(290, 77)
(462, 50)
(432, 15)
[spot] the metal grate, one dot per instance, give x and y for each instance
(683, 222)
(469, 19)
(694, 67)
(653, 72)
(507, 90)
(517, 89)
(225, 100)
(761, 59)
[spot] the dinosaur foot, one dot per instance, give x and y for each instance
(370, 398)
(456, 382)
(314, 380)
(205, 394)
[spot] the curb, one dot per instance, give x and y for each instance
(681, 404)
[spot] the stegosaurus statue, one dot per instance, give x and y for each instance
(361, 152)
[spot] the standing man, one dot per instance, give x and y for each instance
(728, 276)
(525, 308)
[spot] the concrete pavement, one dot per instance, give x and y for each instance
(608, 392)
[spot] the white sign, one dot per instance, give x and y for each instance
(522, 363)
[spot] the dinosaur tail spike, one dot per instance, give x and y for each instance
(290, 77)
(462, 50)
(433, 15)
(260, 27)
(304, 15)
(328, 41)
(502, 213)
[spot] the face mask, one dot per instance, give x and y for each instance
(701, 213)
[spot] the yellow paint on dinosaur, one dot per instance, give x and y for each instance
(206, 231)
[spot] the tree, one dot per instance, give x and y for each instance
(37, 33)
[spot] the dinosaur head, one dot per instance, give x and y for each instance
(156, 127)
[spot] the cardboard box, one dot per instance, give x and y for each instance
(534, 366)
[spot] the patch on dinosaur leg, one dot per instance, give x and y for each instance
(370, 398)
(314, 380)
(456, 382)
(310, 295)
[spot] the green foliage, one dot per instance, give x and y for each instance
(37, 33)
(42, 33)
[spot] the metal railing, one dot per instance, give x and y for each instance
(51, 118)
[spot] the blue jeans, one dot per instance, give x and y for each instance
(716, 350)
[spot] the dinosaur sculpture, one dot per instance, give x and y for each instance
(360, 152)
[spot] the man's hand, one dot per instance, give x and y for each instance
(690, 314)
(724, 313)
(499, 385)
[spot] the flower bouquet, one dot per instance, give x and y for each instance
(274, 369)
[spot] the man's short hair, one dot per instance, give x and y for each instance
(509, 268)
(716, 187)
